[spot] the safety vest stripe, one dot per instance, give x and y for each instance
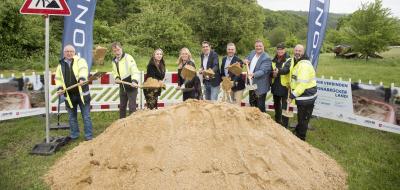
(307, 97)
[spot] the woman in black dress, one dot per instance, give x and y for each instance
(155, 70)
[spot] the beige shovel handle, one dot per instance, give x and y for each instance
(127, 83)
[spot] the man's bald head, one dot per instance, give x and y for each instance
(298, 51)
(69, 51)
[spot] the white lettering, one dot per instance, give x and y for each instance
(315, 39)
(318, 21)
(78, 18)
(79, 35)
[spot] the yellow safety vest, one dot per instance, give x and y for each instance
(303, 77)
(81, 71)
(126, 67)
(285, 79)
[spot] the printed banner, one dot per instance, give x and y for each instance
(78, 28)
(317, 21)
(21, 97)
(360, 104)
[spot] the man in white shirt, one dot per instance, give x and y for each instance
(259, 71)
(238, 82)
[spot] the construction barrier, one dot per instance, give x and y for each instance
(335, 100)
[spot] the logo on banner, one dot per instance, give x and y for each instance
(45, 7)
(317, 21)
(78, 28)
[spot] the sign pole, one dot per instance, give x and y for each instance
(46, 77)
(60, 8)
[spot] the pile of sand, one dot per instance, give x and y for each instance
(196, 145)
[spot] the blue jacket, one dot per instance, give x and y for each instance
(262, 72)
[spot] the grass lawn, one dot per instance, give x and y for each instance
(371, 157)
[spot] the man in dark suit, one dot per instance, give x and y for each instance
(209, 59)
(259, 71)
(238, 82)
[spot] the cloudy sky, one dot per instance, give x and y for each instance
(337, 6)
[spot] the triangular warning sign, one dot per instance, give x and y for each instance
(45, 7)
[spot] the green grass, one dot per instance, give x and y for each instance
(370, 157)
(377, 70)
(19, 169)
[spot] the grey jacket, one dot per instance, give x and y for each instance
(261, 72)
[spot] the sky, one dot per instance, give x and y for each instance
(336, 6)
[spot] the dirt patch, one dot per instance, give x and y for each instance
(196, 145)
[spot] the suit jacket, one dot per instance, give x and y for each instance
(214, 65)
(261, 72)
(238, 82)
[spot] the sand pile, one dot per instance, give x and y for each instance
(196, 145)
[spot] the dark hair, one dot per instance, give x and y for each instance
(206, 42)
(116, 44)
(152, 60)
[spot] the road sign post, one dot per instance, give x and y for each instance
(46, 8)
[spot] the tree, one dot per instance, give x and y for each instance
(278, 35)
(291, 41)
(221, 22)
(371, 29)
(157, 27)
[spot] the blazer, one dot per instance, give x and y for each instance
(214, 65)
(238, 82)
(261, 72)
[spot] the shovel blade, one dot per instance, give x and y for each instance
(288, 114)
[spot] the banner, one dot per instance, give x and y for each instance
(21, 97)
(317, 21)
(78, 28)
(360, 104)
(333, 96)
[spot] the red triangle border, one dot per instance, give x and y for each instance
(64, 12)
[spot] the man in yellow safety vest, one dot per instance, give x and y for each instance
(126, 74)
(72, 70)
(303, 89)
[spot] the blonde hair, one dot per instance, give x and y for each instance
(180, 61)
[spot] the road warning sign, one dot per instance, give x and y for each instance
(45, 7)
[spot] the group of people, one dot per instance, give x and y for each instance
(289, 79)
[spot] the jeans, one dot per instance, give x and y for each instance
(211, 92)
(73, 118)
(304, 113)
(280, 103)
